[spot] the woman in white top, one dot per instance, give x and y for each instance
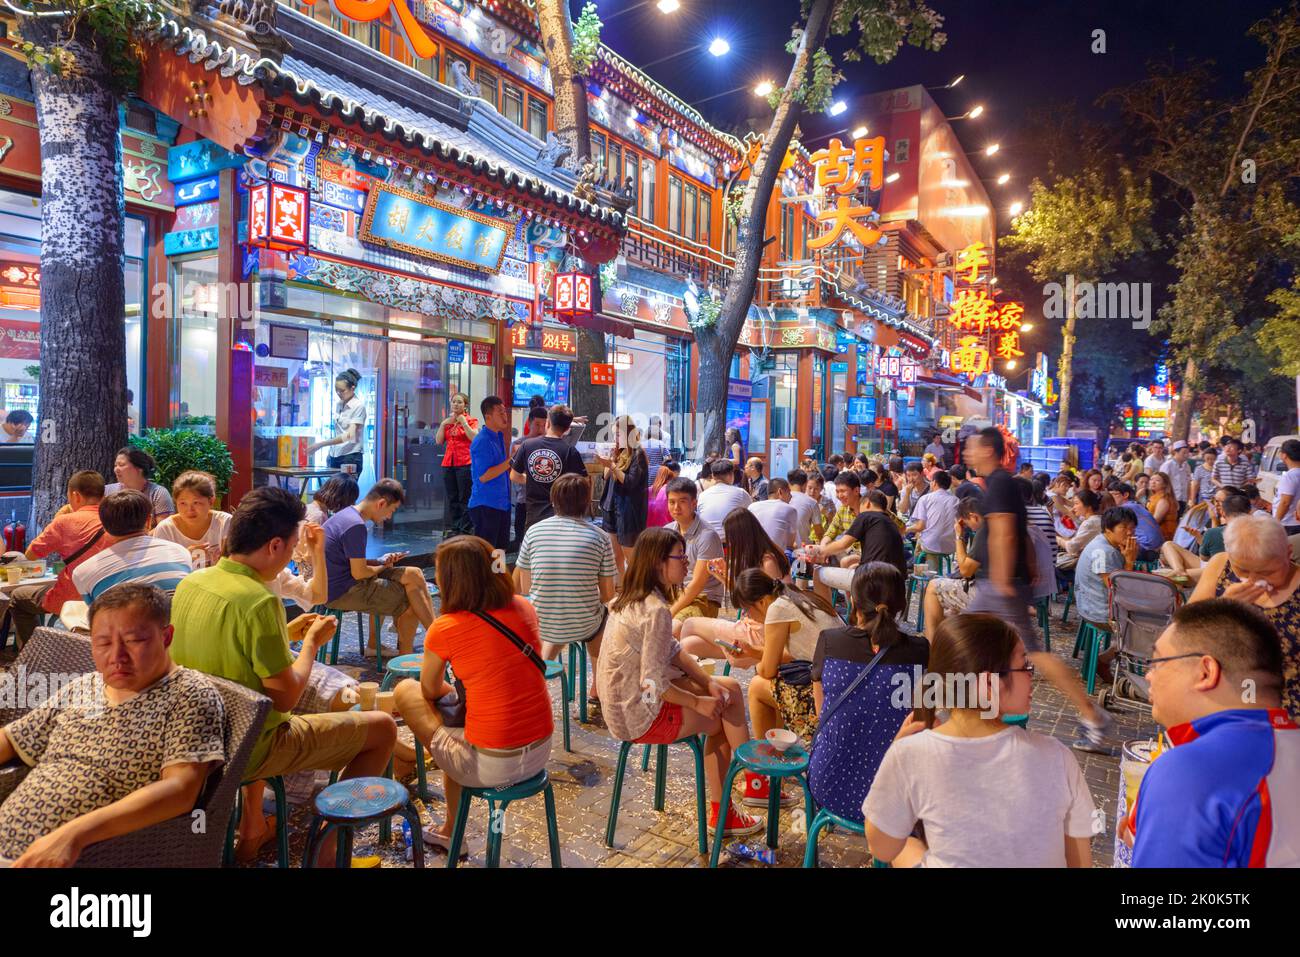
(793, 620)
(989, 793)
(348, 440)
(196, 524)
(654, 692)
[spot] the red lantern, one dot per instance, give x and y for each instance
(278, 216)
(573, 298)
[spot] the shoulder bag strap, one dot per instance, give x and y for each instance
(861, 676)
(518, 642)
(84, 548)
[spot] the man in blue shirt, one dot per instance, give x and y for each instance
(1148, 529)
(1224, 795)
(489, 502)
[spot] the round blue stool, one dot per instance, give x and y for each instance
(353, 803)
(761, 758)
(498, 800)
(696, 744)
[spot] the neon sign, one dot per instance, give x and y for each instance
(839, 171)
(367, 11)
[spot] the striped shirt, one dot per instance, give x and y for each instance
(565, 558)
(1225, 473)
(1041, 518)
(141, 558)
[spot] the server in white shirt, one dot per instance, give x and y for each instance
(777, 515)
(933, 519)
(348, 440)
(722, 497)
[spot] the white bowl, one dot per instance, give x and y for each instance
(781, 739)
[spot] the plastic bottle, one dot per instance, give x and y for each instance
(752, 852)
(406, 839)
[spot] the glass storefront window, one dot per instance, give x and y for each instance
(195, 371)
(839, 410)
(20, 319)
(785, 392)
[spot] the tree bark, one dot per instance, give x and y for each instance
(717, 344)
(573, 128)
(1065, 368)
(1181, 427)
(82, 405)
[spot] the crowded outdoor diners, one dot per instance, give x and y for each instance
(768, 632)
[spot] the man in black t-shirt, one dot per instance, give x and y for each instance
(1003, 548)
(539, 461)
(880, 539)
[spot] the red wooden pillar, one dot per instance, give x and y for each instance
(234, 365)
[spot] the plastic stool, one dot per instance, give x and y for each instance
(824, 819)
(377, 630)
(760, 757)
(503, 796)
(281, 823)
(1069, 600)
(696, 745)
(555, 669)
(354, 803)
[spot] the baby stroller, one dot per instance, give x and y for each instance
(1141, 607)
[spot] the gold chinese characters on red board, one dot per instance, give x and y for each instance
(991, 329)
(839, 173)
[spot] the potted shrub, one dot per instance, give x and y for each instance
(177, 450)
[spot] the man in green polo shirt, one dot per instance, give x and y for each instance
(228, 623)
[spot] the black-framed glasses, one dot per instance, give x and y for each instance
(1027, 669)
(1160, 661)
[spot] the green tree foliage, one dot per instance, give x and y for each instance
(118, 28)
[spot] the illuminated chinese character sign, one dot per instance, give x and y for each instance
(573, 296)
(395, 12)
(991, 329)
(424, 227)
(277, 216)
(839, 173)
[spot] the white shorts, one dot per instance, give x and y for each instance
(840, 579)
(473, 768)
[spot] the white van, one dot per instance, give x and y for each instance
(1271, 467)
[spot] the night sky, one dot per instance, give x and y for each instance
(1017, 55)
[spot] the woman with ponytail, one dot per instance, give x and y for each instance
(989, 792)
(857, 722)
(347, 444)
(780, 693)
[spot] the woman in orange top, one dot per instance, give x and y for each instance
(457, 431)
(507, 733)
(1162, 505)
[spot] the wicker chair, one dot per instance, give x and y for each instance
(173, 843)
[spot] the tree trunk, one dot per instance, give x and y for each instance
(573, 128)
(82, 406)
(717, 344)
(1181, 427)
(1065, 368)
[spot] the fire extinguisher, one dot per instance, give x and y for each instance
(15, 534)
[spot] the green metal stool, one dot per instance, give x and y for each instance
(496, 817)
(408, 666)
(377, 630)
(761, 758)
(353, 803)
(1141, 566)
(281, 823)
(555, 669)
(1069, 600)
(924, 578)
(1044, 606)
(822, 820)
(577, 678)
(696, 744)
(1089, 639)
(333, 652)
